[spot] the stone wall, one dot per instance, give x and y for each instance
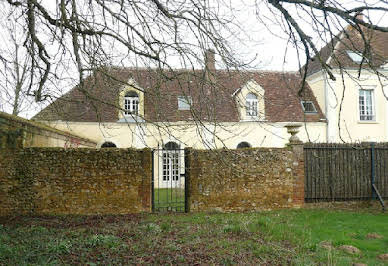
(75, 181)
(245, 179)
(17, 132)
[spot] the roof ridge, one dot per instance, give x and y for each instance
(130, 68)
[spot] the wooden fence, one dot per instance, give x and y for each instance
(340, 172)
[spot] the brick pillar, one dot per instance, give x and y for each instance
(296, 145)
(298, 174)
(145, 189)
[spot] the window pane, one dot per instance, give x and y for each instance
(366, 105)
(356, 57)
(308, 107)
(251, 96)
(184, 103)
(131, 105)
(251, 107)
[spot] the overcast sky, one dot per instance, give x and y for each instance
(263, 39)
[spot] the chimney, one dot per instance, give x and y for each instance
(210, 61)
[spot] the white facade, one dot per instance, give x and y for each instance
(343, 103)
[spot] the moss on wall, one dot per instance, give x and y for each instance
(75, 181)
(17, 132)
(245, 179)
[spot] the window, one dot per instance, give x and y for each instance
(108, 144)
(171, 146)
(171, 162)
(184, 102)
(131, 103)
(308, 107)
(251, 105)
(356, 57)
(243, 144)
(366, 104)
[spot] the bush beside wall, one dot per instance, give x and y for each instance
(75, 181)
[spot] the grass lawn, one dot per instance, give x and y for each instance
(286, 237)
(169, 198)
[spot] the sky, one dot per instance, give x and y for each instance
(262, 41)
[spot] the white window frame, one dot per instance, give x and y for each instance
(184, 102)
(251, 106)
(312, 104)
(131, 105)
(366, 111)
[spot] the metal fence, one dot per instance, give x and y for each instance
(342, 172)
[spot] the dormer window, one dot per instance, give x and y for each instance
(251, 105)
(308, 107)
(356, 57)
(131, 103)
(184, 102)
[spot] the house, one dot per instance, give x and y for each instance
(210, 108)
(355, 103)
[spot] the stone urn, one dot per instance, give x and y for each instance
(293, 129)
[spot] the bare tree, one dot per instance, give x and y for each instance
(15, 65)
(324, 20)
(95, 33)
(68, 36)
(84, 35)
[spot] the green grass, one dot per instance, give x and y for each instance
(169, 198)
(286, 237)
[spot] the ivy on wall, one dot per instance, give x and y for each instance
(11, 138)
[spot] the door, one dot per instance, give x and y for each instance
(171, 169)
(168, 183)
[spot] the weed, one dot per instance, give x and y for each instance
(59, 247)
(152, 228)
(107, 241)
(232, 228)
(166, 227)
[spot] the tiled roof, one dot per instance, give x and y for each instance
(210, 102)
(335, 52)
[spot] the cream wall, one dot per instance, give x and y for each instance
(48, 139)
(229, 135)
(342, 104)
(317, 83)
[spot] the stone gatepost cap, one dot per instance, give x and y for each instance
(296, 124)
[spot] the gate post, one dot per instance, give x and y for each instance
(187, 179)
(296, 146)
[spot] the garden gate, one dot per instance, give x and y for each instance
(168, 179)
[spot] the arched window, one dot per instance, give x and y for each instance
(243, 144)
(131, 103)
(251, 105)
(171, 146)
(171, 165)
(108, 144)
